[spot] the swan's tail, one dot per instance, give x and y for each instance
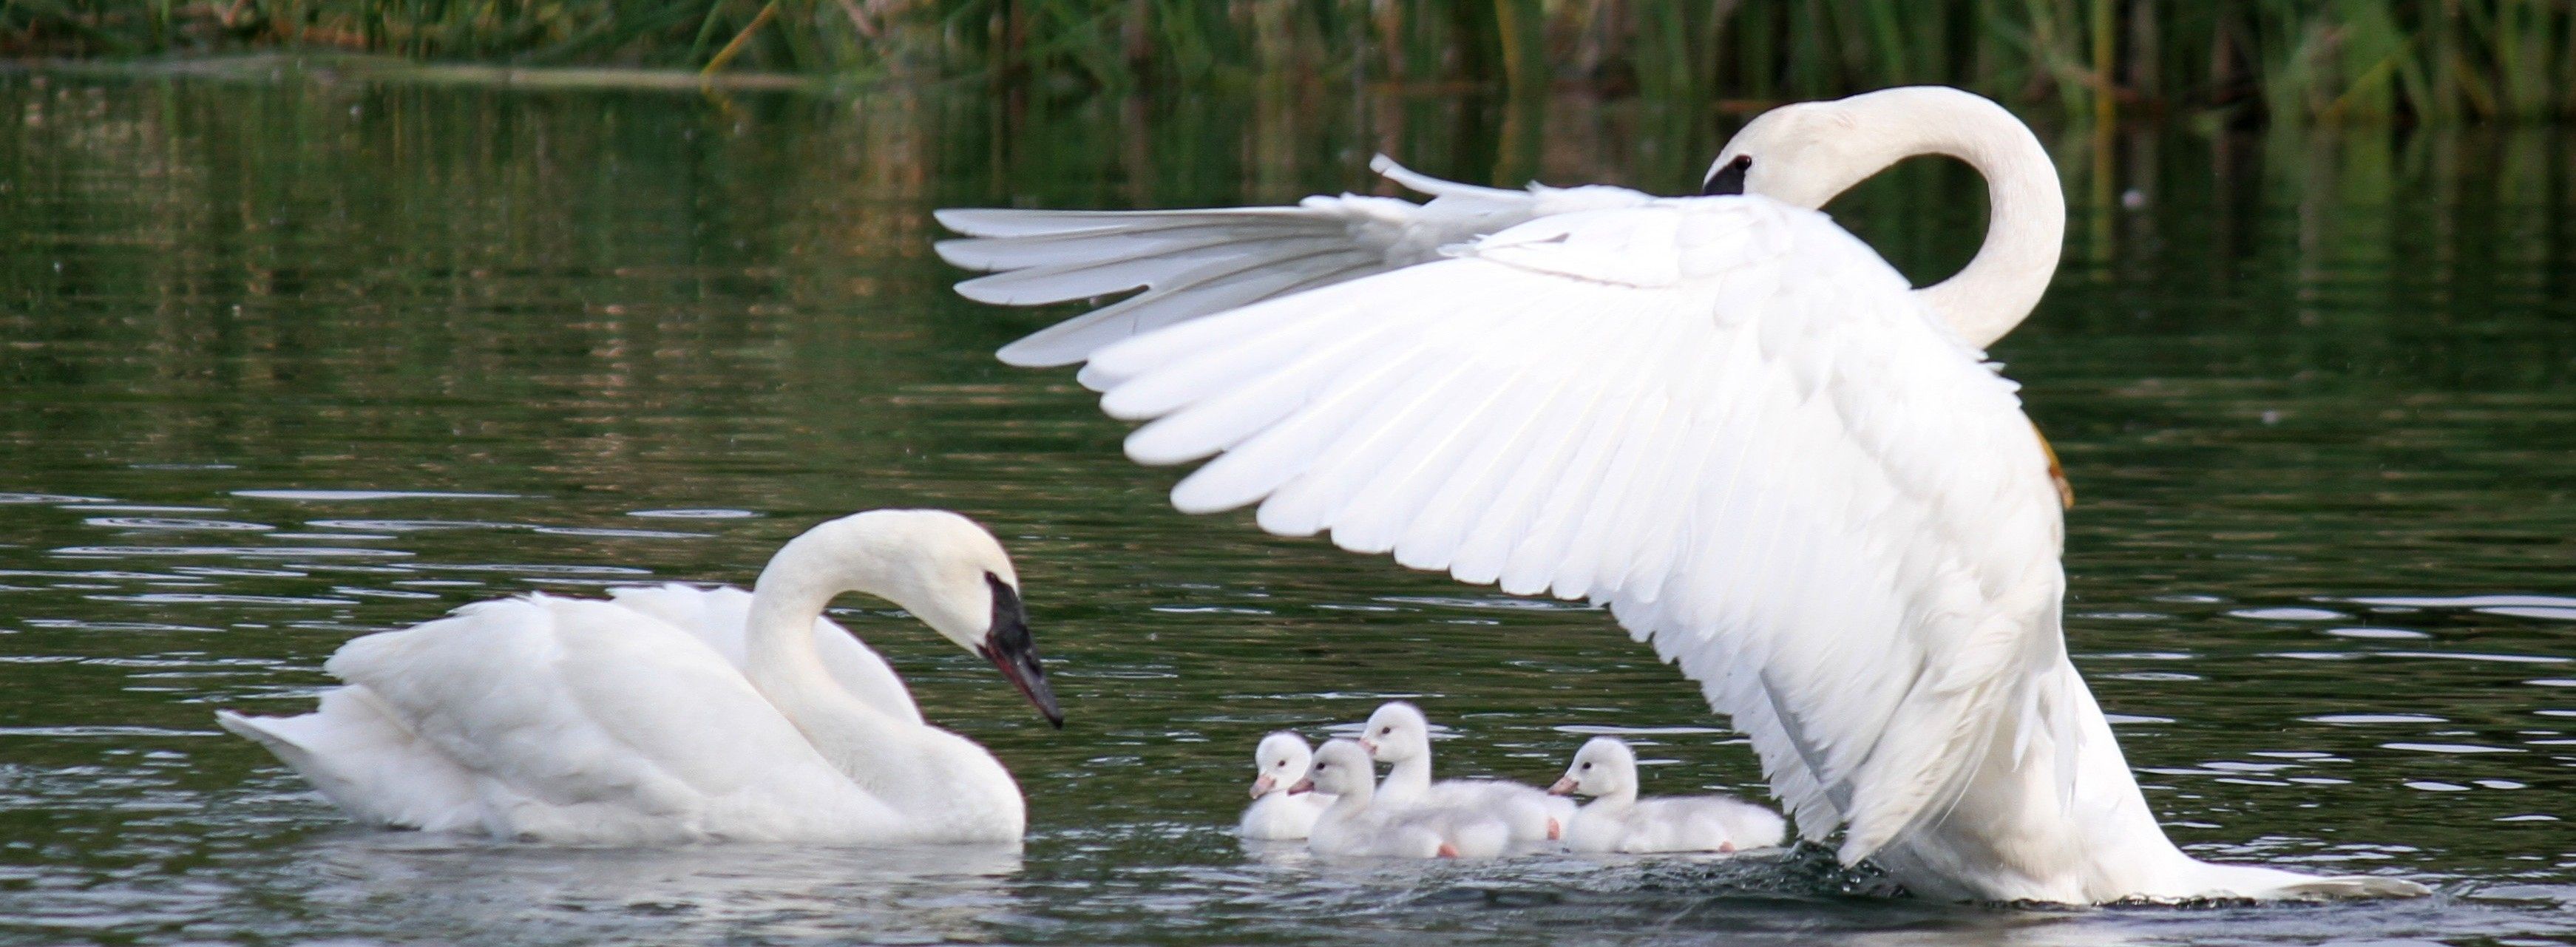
(258, 730)
(367, 762)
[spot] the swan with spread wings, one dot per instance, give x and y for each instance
(1722, 416)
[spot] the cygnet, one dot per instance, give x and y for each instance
(1398, 734)
(1277, 814)
(1617, 821)
(1357, 824)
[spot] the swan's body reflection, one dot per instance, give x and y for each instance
(442, 887)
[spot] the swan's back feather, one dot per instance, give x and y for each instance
(721, 617)
(1725, 418)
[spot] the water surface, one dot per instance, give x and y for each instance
(286, 363)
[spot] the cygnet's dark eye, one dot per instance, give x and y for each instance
(1587, 766)
(1729, 179)
(1382, 731)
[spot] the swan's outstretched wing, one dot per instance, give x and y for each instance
(1724, 417)
(1191, 263)
(720, 617)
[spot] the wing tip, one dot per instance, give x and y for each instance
(1035, 351)
(957, 253)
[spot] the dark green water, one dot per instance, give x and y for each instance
(285, 363)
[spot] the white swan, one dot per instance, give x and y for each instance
(1617, 821)
(1723, 416)
(1277, 814)
(1357, 824)
(671, 714)
(1398, 735)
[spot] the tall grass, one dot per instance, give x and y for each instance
(2425, 60)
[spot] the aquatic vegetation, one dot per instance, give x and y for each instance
(2359, 60)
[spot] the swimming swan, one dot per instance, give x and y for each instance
(673, 714)
(1398, 735)
(1722, 416)
(1358, 824)
(1617, 821)
(1277, 814)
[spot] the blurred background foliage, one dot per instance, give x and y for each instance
(2236, 60)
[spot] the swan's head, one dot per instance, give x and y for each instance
(1281, 758)
(1396, 732)
(942, 568)
(1341, 768)
(1805, 154)
(1604, 767)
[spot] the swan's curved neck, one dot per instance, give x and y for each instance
(2025, 222)
(890, 757)
(800, 581)
(1409, 777)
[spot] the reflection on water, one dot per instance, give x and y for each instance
(290, 364)
(445, 888)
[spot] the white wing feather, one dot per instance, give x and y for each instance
(1723, 417)
(1191, 263)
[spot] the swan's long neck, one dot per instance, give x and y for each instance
(1409, 778)
(2026, 219)
(2025, 229)
(926, 772)
(800, 581)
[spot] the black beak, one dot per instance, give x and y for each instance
(1729, 179)
(1014, 653)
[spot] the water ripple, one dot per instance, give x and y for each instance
(168, 523)
(2469, 601)
(2450, 748)
(12, 499)
(254, 552)
(343, 495)
(2288, 614)
(192, 598)
(2530, 611)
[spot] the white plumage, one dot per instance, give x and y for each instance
(1399, 735)
(677, 714)
(1276, 814)
(1357, 823)
(1618, 821)
(1724, 417)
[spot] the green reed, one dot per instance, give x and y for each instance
(2425, 60)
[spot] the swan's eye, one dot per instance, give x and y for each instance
(1587, 767)
(1382, 731)
(1729, 179)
